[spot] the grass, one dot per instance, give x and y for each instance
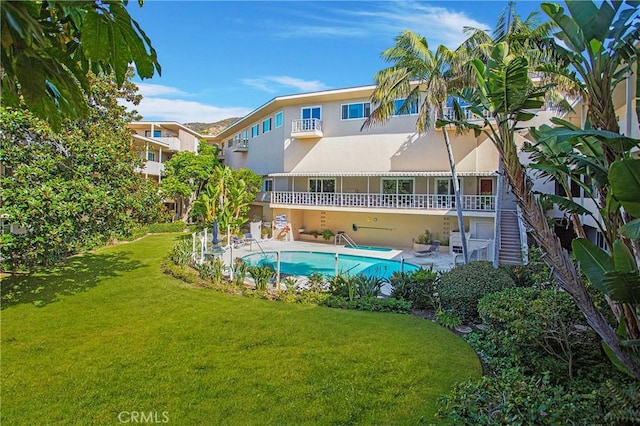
(107, 332)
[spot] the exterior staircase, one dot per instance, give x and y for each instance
(510, 243)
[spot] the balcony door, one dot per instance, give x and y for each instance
(311, 112)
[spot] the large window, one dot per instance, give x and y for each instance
(255, 130)
(267, 185)
(151, 156)
(322, 185)
(245, 136)
(311, 112)
(409, 109)
(353, 111)
(445, 186)
(279, 119)
(266, 125)
(397, 186)
(156, 133)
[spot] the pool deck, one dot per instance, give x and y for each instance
(439, 261)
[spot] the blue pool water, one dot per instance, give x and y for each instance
(305, 262)
(371, 248)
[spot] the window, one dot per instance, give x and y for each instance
(353, 111)
(255, 130)
(266, 125)
(229, 143)
(311, 112)
(445, 186)
(397, 186)
(322, 185)
(245, 136)
(151, 156)
(279, 119)
(410, 109)
(267, 185)
(156, 133)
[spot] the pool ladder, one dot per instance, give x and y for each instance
(342, 237)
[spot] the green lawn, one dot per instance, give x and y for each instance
(108, 332)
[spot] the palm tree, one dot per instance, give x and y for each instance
(418, 75)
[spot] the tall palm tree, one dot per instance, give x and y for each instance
(418, 75)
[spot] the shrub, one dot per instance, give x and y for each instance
(460, 289)
(181, 272)
(544, 327)
(372, 304)
(515, 399)
(182, 252)
(291, 284)
(367, 286)
(212, 270)
(415, 287)
(342, 285)
(448, 319)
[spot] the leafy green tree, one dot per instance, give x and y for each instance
(49, 46)
(187, 173)
(226, 198)
(75, 189)
(418, 75)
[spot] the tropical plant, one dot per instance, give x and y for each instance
(598, 51)
(48, 47)
(261, 276)
(240, 270)
(291, 284)
(226, 198)
(327, 234)
(419, 75)
(417, 287)
(447, 318)
(212, 270)
(182, 252)
(368, 286)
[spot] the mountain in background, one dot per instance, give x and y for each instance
(211, 128)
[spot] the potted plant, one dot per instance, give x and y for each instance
(423, 241)
(327, 234)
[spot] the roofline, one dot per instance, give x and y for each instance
(304, 95)
(174, 123)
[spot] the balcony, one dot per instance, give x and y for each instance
(306, 128)
(171, 142)
(152, 168)
(449, 114)
(240, 145)
(485, 203)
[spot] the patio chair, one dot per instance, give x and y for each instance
(428, 252)
(238, 242)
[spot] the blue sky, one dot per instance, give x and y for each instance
(223, 59)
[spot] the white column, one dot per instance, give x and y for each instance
(160, 161)
(146, 156)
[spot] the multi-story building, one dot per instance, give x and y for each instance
(382, 185)
(158, 141)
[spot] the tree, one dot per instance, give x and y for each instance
(418, 75)
(75, 189)
(226, 198)
(49, 46)
(505, 91)
(187, 173)
(600, 47)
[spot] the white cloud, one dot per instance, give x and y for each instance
(186, 111)
(273, 84)
(148, 89)
(439, 24)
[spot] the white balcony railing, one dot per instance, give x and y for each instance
(449, 114)
(241, 145)
(391, 201)
(306, 127)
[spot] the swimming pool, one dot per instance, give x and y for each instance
(305, 262)
(370, 248)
